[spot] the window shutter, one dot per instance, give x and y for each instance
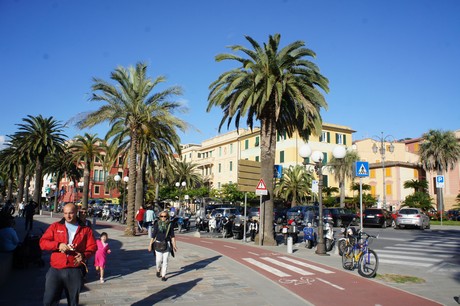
(344, 139)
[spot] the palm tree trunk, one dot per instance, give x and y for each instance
(21, 181)
(38, 182)
(9, 197)
(130, 231)
(57, 191)
(268, 148)
(140, 182)
(26, 190)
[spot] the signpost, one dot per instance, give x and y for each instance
(361, 170)
(261, 190)
(440, 185)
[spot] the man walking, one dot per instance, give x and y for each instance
(29, 212)
(71, 243)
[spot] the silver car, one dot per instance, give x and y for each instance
(412, 217)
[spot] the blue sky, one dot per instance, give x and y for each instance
(393, 65)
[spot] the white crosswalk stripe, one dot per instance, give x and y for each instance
(287, 263)
(426, 253)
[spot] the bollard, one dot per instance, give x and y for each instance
(289, 245)
(51, 215)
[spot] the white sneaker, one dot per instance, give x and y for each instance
(102, 280)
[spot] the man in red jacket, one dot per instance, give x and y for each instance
(71, 243)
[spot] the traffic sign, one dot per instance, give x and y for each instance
(278, 171)
(439, 181)
(261, 188)
(362, 169)
(314, 186)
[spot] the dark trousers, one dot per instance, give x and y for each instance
(57, 280)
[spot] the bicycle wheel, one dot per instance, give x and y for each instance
(347, 258)
(368, 264)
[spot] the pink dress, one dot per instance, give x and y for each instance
(101, 254)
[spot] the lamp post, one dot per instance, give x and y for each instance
(125, 180)
(382, 151)
(80, 186)
(178, 185)
(71, 183)
(317, 157)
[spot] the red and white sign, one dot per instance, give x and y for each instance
(261, 188)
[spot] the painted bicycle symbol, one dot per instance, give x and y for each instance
(302, 281)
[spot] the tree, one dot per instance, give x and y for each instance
(439, 151)
(342, 168)
(85, 149)
(294, 185)
(279, 88)
(418, 186)
(40, 136)
(131, 110)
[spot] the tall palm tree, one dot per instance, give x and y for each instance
(9, 166)
(418, 186)
(40, 136)
(86, 149)
(439, 151)
(294, 185)
(279, 88)
(342, 168)
(131, 109)
(185, 172)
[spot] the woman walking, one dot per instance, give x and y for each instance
(163, 242)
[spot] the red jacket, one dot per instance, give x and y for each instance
(56, 233)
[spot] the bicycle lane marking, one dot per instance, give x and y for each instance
(319, 288)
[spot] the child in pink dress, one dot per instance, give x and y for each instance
(101, 254)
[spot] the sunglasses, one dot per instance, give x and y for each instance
(163, 216)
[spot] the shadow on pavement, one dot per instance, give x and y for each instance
(174, 292)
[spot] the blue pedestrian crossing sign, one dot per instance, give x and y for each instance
(362, 169)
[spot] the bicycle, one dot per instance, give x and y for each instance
(348, 239)
(359, 255)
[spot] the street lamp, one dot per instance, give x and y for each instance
(382, 151)
(178, 185)
(80, 186)
(317, 157)
(125, 180)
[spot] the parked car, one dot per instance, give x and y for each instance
(377, 217)
(412, 217)
(453, 214)
(339, 216)
(253, 212)
(226, 212)
(307, 213)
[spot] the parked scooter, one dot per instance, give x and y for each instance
(227, 224)
(309, 236)
(328, 236)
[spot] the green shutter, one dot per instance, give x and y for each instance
(281, 156)
(328, 137)
(344, 139)
(325, 181)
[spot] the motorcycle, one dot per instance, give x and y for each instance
(309, 236)
(238, 229)
(202, 224)
(328, 236)
(183, 222)
(227, 224)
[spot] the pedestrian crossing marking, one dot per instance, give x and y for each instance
(404, 248)
(304, 264)
(266, 267)
(382, 255)
(407, 263)
(287, 266)
(412, 253)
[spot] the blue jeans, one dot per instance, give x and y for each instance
(70, 280)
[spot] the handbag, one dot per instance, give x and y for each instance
(161, 246)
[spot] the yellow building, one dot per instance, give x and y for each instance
(217, 157)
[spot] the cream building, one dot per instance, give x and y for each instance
(217, 157)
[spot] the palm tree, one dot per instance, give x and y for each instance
(418, 186)
(40, 136)
(342, 168)
(86, 149)
(439, 151)
(131, 109)
(294, 185)
(279, 88)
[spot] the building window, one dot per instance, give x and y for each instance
(220, 168)
(281, 136)
(388, 190)
(325, 181)
(256, 144)
(106, 191)
(96, 189)
(96, 175)
(372, 173)
(220, 151)
(101, 176)
(387, 172)
(231, 166)
(231, 148)
(324, 158)
(246, 144)
(120, 160)
(281, 156)
(373, 191)
(257, 158)
(218, 185)
(199, 155)
(325, 137)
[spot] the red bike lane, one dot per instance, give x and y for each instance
(313, 282)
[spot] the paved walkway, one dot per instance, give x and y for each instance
(196, 275)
